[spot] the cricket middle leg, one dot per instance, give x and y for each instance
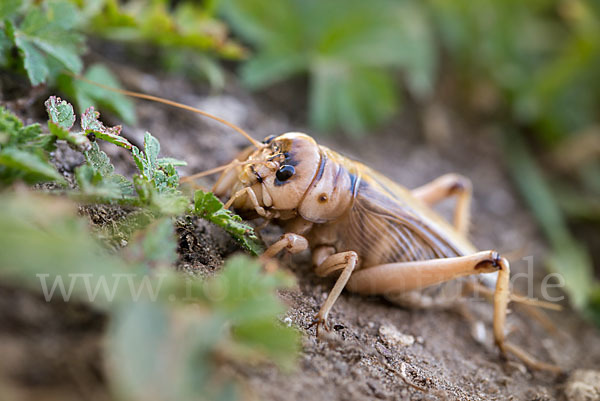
(444, 187)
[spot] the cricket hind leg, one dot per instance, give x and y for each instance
(444, 187)
(393, 278)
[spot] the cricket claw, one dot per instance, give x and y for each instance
(320, 321)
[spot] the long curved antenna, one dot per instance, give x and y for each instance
(211, 171)
(170, 103)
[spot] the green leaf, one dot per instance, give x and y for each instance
(349, 48)
(23, 150)
(34, 62)
(165, 161)
(61, 119)
(356, 100)
(46, 33)
(247, 297)
(60, 112)
(209, 207)
(91, 125)
(161, 173)
(155, 245)
(97, 179)
(8, 8)
(48, 248)
(28, 166)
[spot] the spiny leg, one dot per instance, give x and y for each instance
(528, 305)
(407, 276)
(444, 187)
(345, 261)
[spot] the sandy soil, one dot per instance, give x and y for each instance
(52, 350)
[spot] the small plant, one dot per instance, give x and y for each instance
(157, 317)
(156, 185)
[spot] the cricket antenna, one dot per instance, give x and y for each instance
(170, 103)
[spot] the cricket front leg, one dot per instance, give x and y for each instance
(328, 263)
(292, 243)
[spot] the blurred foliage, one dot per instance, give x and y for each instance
(44, 35)
(348, 47)
(569, 258)
(24, 152)
(168, 337)
(46, 38)
(185, 33)
(542, 56)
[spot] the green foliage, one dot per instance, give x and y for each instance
(568, 258)
(186, 35)
(161, 172)
(156, 185)
(44, 35)
(190, 325)
(209, 207)
(23, 152)
(45, 245)
(349, 48)
(47, 37)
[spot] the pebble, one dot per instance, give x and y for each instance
(583, 385)
(393, 337)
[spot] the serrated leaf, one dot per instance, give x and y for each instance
(60, 112)
(209, 207)
(151, 149)
(45, 33)
(99, 161)
(27, 138)
(61, 120)
(97, 178)
(34, 62)
(92, 125)
(162, 175)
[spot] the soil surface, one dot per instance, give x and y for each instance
(375, 350)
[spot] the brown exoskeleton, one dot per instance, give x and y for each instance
(381, 237)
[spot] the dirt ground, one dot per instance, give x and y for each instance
(52, 351)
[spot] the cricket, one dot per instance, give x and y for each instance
(377, 236)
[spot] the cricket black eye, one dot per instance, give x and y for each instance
(285, 172)
(268, 139)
